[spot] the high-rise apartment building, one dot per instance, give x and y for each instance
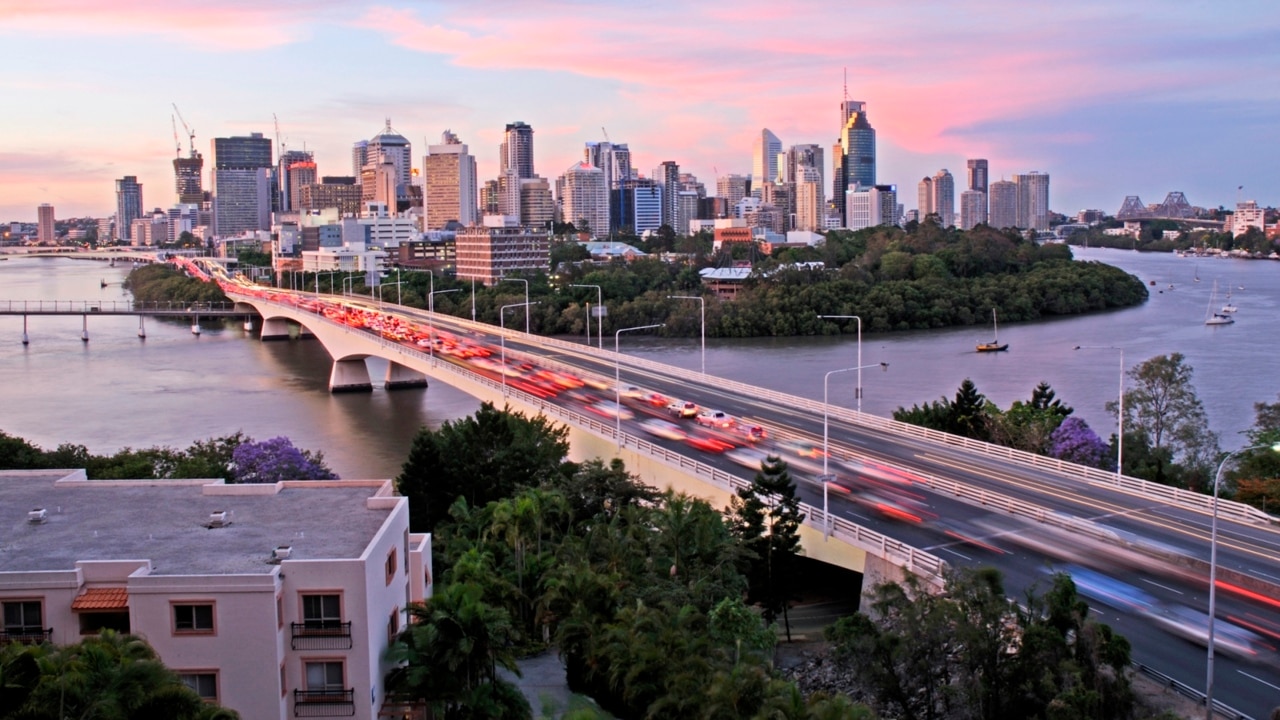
(45, 231)
(613, 159)
(871, 206)
(395, 148)
(944, 198)
(809, 199)
(1247, 215)
(241, 184)
(584, 199)
(537, 204)
(516, 153)
(687, 205)
(731, 188)
(668, 176)
(766, 160)
(1033, 201)
(188, 179)
(359, 156)
(977, 169)
(973, 209)
(287, 190)
(1003, 205)
(450, 183)
(128, 204)
(854, 155)
(925, 198)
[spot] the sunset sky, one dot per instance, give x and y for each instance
(1111, 98)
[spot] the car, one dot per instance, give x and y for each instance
(631, 392)
(708, 443)
(611, 410)
(715, 418)
(748, 457)
(683, 409)
(752, 433)
(663, 429)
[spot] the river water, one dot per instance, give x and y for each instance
(174, 388)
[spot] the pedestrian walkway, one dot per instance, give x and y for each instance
(544, 685)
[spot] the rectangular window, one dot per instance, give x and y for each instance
(393, 625)
(280, 611)
(391, 566)
(23, 617)
(204, 683)
(325, 676)
(193, 619)
(284, 685)
(321, 612)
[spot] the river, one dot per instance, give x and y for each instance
(174, 388)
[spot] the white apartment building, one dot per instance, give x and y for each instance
(1247, 215)
(275, 600)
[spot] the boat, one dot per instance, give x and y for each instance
(994, 345)
(1217, 318)
(1230, 306)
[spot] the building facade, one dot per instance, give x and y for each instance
(339, 192)
(46, 230)
(537, 204)
(871, 206)
(277, 601)
(584, 199)
(241, 184)
(853, 159)
(391, 146)
(450, 183)
(188, 179)
(731, 189)
(613, 159)
(765, 160)
(516, 153)
(1003, 205)
(128, 204)
(489, 253)
(944, 198)
(1033, 201)
(289, 181)
(973, 209)
(668, 176)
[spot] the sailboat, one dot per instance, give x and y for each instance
(1217, 318)
(994, 345)
(1230, 306)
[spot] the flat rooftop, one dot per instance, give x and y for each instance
(167, 522)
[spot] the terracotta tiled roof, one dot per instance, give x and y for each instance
(101, 599)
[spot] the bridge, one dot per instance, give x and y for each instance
(97, 308)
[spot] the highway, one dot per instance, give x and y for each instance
(1144, 552)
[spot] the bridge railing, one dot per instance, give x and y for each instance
(113, 306)
(930, 567)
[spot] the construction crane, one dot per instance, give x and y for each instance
(191, 134)
(177, 151)
(279, 144)
(606, 135)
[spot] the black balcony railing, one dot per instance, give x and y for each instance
(321, 635)
(324, 703)
(26, 635)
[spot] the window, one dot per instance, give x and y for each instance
(280, 611)
(284, 684)
(321, 612)
(393, 625)
(23, 617)
(391, 566)
(325, 676)
(204, 683)
(193, 619)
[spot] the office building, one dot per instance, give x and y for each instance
(668, 176)
(1002, 205)
(810, 199)
(853, 159)
(391, 146)
(188, 178)
(45, 230)
(276, 601)
(637, 206)
(339, 192)
(289, 181)
(584, 199)
(871, 206)
(378, 182)
(501, 247)
(449, 183)
(925, 198)
(1033, 201)
(944, 198)
(766, 160)
(128, 204)
(688, 206)
(977, 170)
(537, 204)
(241, 184)
(731, 188)
(613, 159)
(359, 156)
(516, 153)
(973, 209)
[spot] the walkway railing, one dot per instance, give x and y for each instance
(75, 307)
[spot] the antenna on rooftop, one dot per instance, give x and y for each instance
(846, 84)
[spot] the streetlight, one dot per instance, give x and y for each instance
(599, 314)
(503, 337)
(617, 376)
(703, 306)
(857, 391)
(826, 414)
(431, 317)
(1213, 571)
(346, 280)
(1119, 407)
(526, 300)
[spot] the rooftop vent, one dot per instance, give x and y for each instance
(37, 516)
(282, 553)
(219, 518)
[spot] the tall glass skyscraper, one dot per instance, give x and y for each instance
(855, 153)
(128, 206)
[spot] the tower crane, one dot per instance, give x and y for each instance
(606, 135)
(191, 134)
(279, 144)
(177, 152)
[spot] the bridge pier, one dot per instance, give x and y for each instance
(350, 376)
(400, 377)
(877, 571)
(276, 329)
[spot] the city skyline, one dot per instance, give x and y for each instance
(1072, 91)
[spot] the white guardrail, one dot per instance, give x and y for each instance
(930, 567)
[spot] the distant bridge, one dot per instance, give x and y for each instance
(1174, 207)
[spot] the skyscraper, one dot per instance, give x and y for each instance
(298, 175)
(1003, 205)
(668, 176)
(188, 181)
(516, 153)
(450, 189)
(359, 156)
(764, 160)
(45, 231)
(977, 168)
(854, 158)
(809, 199)
(128, 205)
(585, 199)
(537, 204)
(637, 205)
(613, 159)
(973, 209)
(394, 147)
(944, 198)
(732, 188)
(241, 184)
(288, 190)
(1033, 201)
(925, 198)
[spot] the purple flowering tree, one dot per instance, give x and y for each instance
(1074, 441)
(274, 460)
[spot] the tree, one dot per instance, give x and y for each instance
(275, 460)
(1074, 441)
(968, 413)
(1162, 406)
(253, 258)
(766, 518)
(1256, 477)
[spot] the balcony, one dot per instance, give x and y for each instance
(26, 635)
(321, 635)
(324, 703)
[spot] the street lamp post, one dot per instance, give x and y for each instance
(526, 300)
(345, 282)
(503, 336)
(826, 435)
(858, 390)
(702, 303)
(599, 315)
(1119, 408)
(1213, 572)
(617, 376)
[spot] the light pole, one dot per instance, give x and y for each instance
(346, 280)
(599, 314)
(503, 337)
(1119, 408)
(1213, 572)
(826, 415)
(617, 376)
(526, 300)
(702, 303)
(857, 391)
(431, 315)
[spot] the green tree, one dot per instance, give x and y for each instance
(253, 258)
(968, 413)
(766, 518)
(1161, 406)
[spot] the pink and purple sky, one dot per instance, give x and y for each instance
(1111, 98)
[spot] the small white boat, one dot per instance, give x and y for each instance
(1217, 318)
